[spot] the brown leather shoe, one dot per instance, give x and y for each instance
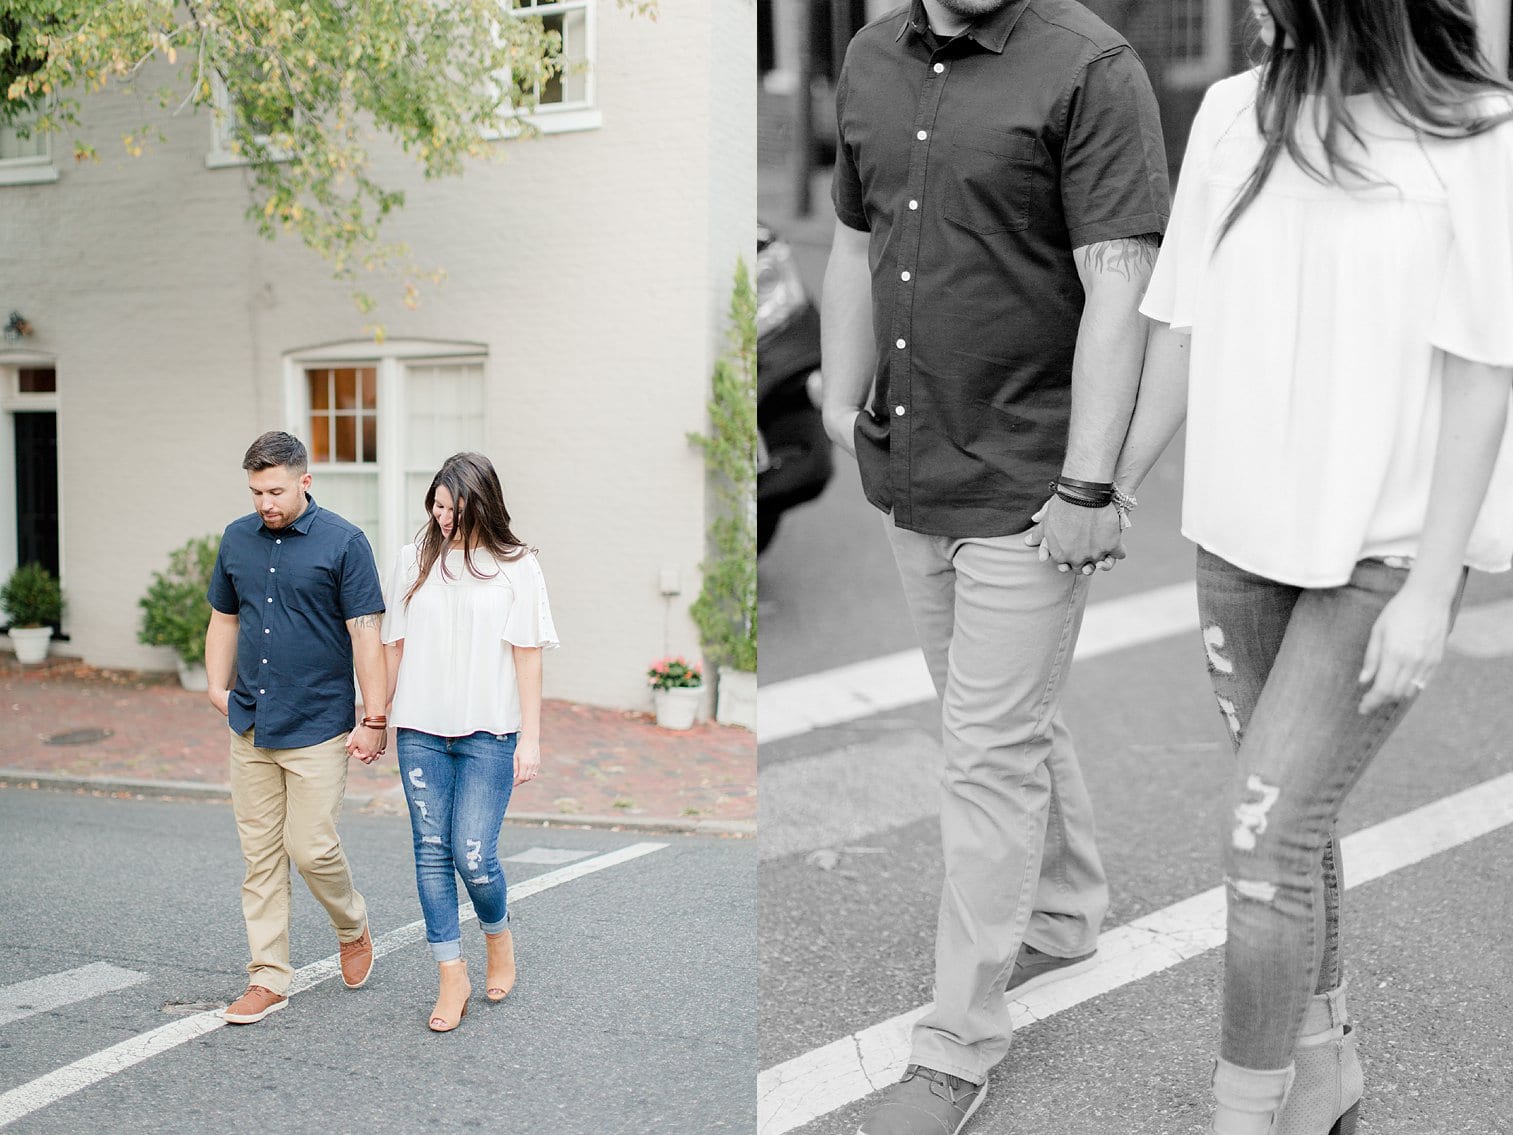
(253, 1006)
(357, 959)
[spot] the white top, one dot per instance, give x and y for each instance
(1317, 332)
(457, 675)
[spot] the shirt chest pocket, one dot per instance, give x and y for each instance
(988, 179)
(309, 589)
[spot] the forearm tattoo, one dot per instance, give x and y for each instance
(1128, 257)
(367, 622)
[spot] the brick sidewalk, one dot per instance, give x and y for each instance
(595, 762)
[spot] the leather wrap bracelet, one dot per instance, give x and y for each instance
(1084, 494)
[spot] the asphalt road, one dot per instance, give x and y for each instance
(634, 1011)
(847, 925)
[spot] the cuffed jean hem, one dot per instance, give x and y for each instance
(496, 927)
(447, 951)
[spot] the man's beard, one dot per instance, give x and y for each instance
(971, 9)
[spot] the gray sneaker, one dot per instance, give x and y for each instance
(925, 1102)
(1034, 968)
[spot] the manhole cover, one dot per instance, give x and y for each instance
(78, 737)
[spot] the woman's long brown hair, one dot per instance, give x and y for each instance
(479, 518)
(1421, 57)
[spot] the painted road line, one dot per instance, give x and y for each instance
(801, 1090)
(548, 855)
(861, 689)
(36, 1094)
(1484, 631)
(846, 795)
(43, 994)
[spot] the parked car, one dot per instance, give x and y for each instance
(793, 453)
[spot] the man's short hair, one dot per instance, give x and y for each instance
(276, 448)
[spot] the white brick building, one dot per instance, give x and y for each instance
(588, 274)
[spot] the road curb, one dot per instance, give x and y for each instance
(683, 825)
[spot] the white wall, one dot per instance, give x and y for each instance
(594, 266)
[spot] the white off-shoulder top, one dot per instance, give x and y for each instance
(1319, 328)
(457, 675)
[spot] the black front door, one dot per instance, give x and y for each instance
(37, 489)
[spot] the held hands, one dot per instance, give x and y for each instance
(527, 760)
(1406, 645)
(367, 743)
(1077, 537)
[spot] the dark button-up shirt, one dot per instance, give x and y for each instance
(978, 164)
(292, 591)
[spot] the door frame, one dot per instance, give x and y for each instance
(13, 401)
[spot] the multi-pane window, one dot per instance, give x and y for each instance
(1198, 41)
(572, 87)
(25, 152)
(343, 440)
(377, 431)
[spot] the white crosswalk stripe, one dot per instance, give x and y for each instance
(30, 1097)
(57, 990)
(848, 693)
(817, 1082)
(548, 855)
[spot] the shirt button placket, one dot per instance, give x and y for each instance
(901, 383)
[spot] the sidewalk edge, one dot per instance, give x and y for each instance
(23, 778)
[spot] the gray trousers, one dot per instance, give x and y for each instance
(997, 627)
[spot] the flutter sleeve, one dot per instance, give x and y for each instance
(1177, 280)
(1473, 313)
(399, 582)
(529, 622)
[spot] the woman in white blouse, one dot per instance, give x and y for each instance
(466, 623)
(1333, 306)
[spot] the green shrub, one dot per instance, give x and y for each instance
(726, 609)
(175, 611)
(32, 597)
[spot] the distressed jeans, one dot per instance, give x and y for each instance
(458, 789)
(997, 627)
(1284, 663)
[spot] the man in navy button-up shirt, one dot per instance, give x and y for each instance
(1000, 189)
(295, 603)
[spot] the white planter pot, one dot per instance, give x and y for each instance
(192, 676)
(31, 643)
(678, 707)
(737, 698)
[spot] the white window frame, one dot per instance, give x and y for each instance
(12, 401)
(221, 155)
(390, 360)
(581, 114)
(1213, 64)
(37, 169)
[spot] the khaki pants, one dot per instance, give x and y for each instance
(286, 802)
(997, 627)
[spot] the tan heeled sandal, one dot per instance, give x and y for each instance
(452, 1002)
(501, 975)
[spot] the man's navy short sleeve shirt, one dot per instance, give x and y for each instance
(292, 591)
(978, 164)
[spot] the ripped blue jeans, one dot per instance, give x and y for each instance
(458, 789)
(1284, 663)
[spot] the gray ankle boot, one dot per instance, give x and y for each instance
(1247, 1102)
(1326, 1096)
